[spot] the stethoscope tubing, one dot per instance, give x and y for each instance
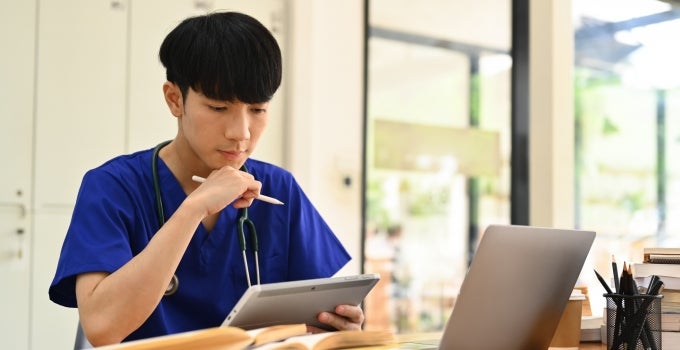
(242, 221)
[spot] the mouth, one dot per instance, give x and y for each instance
(232, 155)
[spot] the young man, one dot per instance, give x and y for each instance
(149, 251)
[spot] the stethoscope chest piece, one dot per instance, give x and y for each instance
(172, 286)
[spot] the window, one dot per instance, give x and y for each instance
(438, 151)
(627, 114)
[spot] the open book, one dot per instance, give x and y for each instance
(291, 336)
(222, 338)
(333, 340)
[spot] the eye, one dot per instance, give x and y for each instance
(218, 108)
(259, 108)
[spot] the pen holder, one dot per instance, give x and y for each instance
(633, 321)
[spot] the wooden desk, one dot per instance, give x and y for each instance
(406, 338)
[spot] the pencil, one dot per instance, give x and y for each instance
(615, 270)
(633, 284)
(604, 284)
(624, 283)
(259, 197)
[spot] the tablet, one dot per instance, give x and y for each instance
(298, 301)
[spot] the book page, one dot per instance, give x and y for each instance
(333, 340)
(276, 333)
(222, 338)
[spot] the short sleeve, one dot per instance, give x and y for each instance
(97, 238)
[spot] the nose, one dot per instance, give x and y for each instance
(238, 123)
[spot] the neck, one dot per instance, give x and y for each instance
(183, 165)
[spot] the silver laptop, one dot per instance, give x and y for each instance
(517, 286)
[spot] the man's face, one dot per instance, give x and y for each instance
(220, 132)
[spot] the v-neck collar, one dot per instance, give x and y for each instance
(173, 195)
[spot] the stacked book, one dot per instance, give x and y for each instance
(665, 263)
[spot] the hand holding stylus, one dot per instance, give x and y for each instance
(259, 197)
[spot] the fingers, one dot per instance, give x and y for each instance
(346, 317)
(249, 188)
(230, 171)
(242, 182)
(227, 185)
(242, 202)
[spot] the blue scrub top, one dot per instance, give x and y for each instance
(115, 216)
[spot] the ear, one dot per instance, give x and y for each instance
(173, 97)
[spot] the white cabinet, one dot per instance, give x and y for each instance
(80, 122)
(80, 95)
(150, 119)
(17, 30)
(83, 83)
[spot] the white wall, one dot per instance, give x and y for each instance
(325, 110)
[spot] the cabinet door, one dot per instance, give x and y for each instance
(150, 21)
(80, 123)
(81, 101)
(17, 33)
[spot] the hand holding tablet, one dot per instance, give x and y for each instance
(298, 301)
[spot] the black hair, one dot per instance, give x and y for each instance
(226, 56)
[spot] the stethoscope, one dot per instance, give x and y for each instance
(242, 222)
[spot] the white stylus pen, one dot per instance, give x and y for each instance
(260, 197)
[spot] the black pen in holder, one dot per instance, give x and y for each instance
(633, 321)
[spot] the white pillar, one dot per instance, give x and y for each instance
(551, 106)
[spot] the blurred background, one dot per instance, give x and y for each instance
(439, 131)
(411, 125)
